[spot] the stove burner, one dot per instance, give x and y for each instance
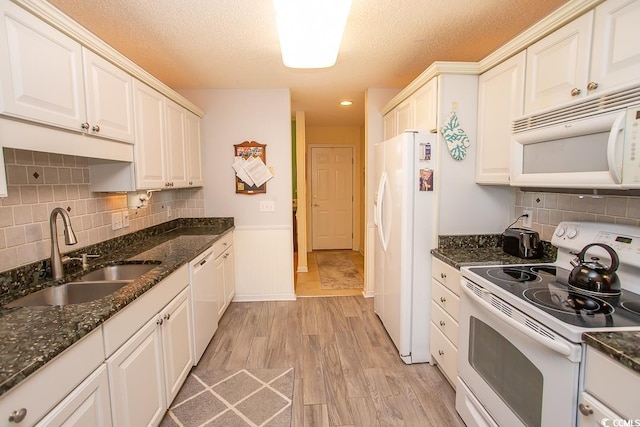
(508, 274)
(563, 301)
(632, 306)
(544, 269)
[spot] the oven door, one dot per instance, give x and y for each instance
(520, 373)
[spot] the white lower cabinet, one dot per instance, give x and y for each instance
(225, 282)
(146, 373)
(445, 303)
(87, 406)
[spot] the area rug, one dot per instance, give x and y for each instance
(257, 397)
(337, 271)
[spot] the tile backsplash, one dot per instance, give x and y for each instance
(38, 182)
(549, 209)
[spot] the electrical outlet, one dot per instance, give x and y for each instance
(125, 219)
(116, 221)
(526, 221)
(267, 206)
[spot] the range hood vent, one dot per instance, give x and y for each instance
(590, 107)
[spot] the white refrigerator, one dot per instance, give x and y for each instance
(405, 218)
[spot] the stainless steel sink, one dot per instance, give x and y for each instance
(70, 293)
(117, 272)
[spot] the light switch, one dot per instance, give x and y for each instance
(116, 221)
(267, 206)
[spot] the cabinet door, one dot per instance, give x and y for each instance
(425, 102)
(87, 406)
(41, 72)
(404, 116)
(390, 125)
(500, 100)
(558, 65)
(109, 98)
(194, 153)
(177, 344)
(136, 379)
(219, 284)
(176, 155)
(149, 149)
(229, 276)
(616, 52)
(593, 413)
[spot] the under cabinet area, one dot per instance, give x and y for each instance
(445, 303)
(610, 391)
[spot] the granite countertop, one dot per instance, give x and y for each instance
(621, 346)
(32, 336)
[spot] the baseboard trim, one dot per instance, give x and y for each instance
(367, 294)
(272, 297)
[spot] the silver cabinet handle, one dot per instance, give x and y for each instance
(96, 128)
(592, 86)
(167, 316)
(443, 275)
(575, 91)
(441, 353)
(585, 409)
(85, 126)
(443, 299)
(442, 323)
(159, 322)
(18, 416)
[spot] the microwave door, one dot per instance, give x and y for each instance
(631, 151)
(615, 146)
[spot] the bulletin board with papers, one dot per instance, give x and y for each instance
(251, 170)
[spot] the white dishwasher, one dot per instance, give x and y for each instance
(205, 303)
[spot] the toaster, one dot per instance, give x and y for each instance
(522, 243)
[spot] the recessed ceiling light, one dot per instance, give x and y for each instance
(346, 102)
(311, 31)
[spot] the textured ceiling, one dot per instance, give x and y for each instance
(197, 44)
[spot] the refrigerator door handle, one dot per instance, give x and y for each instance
(382, 188)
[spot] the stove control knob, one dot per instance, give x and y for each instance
(572, 233)
(560, 231)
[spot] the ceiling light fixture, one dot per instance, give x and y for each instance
(345, 103)
(311, 31)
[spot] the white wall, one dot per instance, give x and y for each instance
(263, 240)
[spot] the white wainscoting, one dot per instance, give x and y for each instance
(263, 263)
(369, 261)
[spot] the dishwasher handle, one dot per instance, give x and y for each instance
(200, 264)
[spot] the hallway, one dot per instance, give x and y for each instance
(309, 284)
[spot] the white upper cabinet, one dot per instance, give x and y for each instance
(390, 125)
(109, 98)
(616, 52)
(149, 150)
(596, 53)
(500, 100)
(424, 103)
(50, 78)
(194, 151)
(41, 76)
(404, 116)
(558, 65)
(176, 146)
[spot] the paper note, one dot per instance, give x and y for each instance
(257, 170)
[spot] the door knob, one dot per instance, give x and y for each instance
(316, 205)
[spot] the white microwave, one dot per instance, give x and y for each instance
(595, 150)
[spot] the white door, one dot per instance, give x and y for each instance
(616, 52)
(176, 343)
(558, 65)
(109, 98)
(136, 379)
(332, 197)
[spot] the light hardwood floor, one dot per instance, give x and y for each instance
(308, 284)
(347, 370)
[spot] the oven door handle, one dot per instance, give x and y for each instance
(558, 347)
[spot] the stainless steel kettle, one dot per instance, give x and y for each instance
(593, 277)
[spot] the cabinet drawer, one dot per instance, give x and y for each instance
(612, 383)
(445, 299)
(446, 274)
(222, 245)
(445, 354)
(39, 393)
(445, 323)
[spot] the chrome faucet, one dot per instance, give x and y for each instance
(57, 270)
